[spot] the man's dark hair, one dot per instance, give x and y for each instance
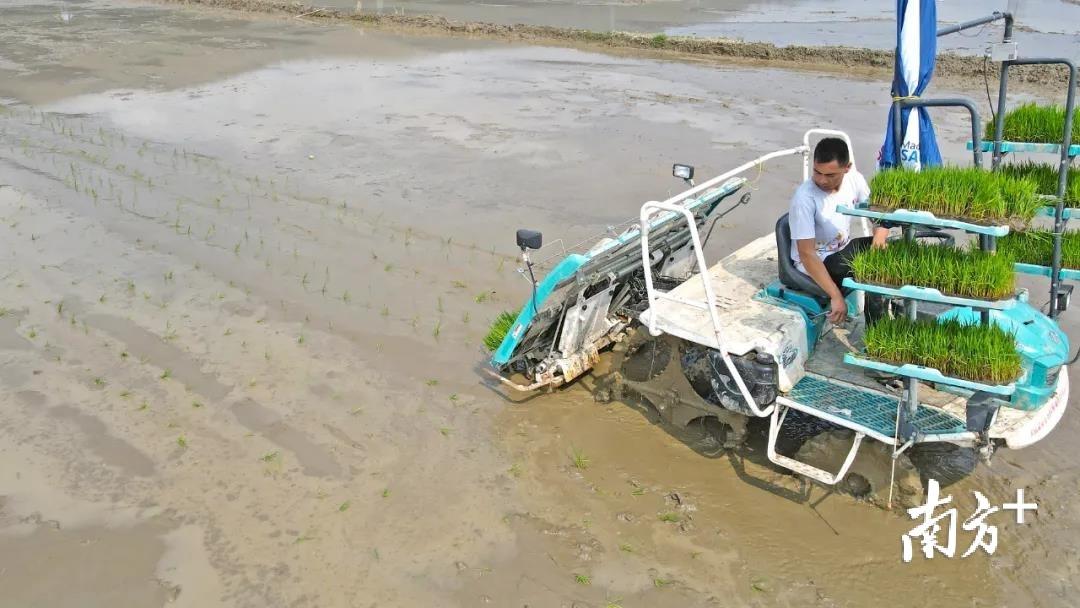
(830, 149)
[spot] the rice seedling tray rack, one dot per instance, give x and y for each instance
(929, 374)
(1027, 147)
(1067, 274)
(1067, 213)
(929, 294)
(923, 218)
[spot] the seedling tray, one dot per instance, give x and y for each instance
(1067, 213)
(927, 294)
(1068, 274)
(922, 218)
(928, 374)
(1028, 147)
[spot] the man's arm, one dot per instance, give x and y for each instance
(816, 269)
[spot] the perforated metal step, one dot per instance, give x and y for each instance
(859, 408)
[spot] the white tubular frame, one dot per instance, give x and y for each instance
(673, 205)
(810, 471)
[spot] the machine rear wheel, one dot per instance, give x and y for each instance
(868, 477)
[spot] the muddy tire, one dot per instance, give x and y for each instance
(868, 477)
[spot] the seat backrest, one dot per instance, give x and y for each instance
(789, 275)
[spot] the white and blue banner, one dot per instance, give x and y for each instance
(916, 49)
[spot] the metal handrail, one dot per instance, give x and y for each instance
(710, 297)
(956, 102)
(672, 205)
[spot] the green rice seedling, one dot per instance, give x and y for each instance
(660, 583)
(1031, 122)
(579, 459)
(498, 330)
(437, 329)
(181, 441)
(968, 273)
(976, 352)
(670, 517)
(1046, 178)
(344, 506)
(965, 193)
(583, 579)
(1037, 247)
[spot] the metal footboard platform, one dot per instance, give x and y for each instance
(865, 411)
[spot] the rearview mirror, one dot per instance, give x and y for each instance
(529, 239)
(685, 172)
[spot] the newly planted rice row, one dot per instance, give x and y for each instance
(964, 193)
(968, 273)
(1037, 247)
(980, 353)
(1033, 123)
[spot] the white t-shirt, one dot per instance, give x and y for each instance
(813, 215)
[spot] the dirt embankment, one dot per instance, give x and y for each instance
(827, 58)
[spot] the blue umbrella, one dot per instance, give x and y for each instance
(916, 48)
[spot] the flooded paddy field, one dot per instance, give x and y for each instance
(247, 263)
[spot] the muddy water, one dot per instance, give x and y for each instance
(241, 312)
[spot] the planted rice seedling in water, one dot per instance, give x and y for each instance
(953, 192)
(1037, 247)
(968, 273)
(976, 352)
(579, 459)
(1033, 123)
